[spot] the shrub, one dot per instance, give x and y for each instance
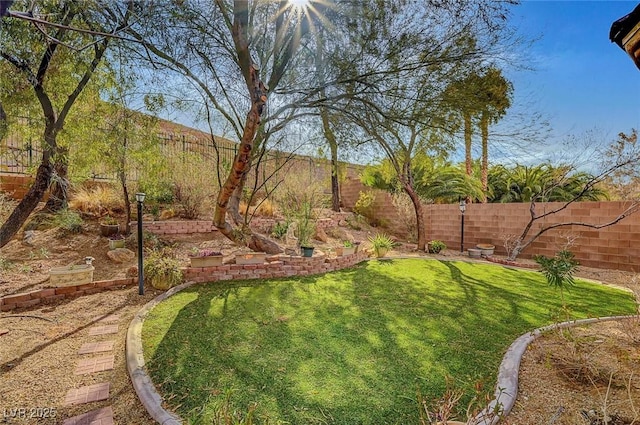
(558, 270)
(364, 204)
(265, 208)
(99, 200)
(192, 184)
(436, 246)
(407, 214)
(5, 265)
(279, 229)
(162, 270)
(306, 225)
(381, 244)
(67, 221)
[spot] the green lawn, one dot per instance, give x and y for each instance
(354, 346)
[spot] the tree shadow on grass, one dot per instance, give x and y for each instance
(348, 347)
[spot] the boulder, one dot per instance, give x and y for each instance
(121, 255)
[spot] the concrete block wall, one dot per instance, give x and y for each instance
(616, 247)
(171, 227)
(383, 210)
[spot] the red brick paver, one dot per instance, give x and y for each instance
(102, 416)
(96, 364)
(96, 347)
(96, 392)
(103, 330)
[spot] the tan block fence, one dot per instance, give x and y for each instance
(616, 247)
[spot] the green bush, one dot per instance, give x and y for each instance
(162, 270)
(279, 229)
(558, 270)
(67, 221)
(436, 246)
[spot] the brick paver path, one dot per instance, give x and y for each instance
(96, 347)
(96, 364)
(102, 416)
(88, 394)
(103, 330)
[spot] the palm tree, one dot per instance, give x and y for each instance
(541, 183)
(462, 97)
(495, 98)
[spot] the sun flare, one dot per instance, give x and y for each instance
(299, 4)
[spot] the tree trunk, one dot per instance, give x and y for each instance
(467, 143)
(28, 203)
(37, 190)
(4, 126)
(234, 182)
(59, 188)
(333, 146)
(417, 205)
(484, 128)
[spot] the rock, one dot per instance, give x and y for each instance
(320, 235)
(132, 271)
(121, 255)
(4, 331)
(28, 237)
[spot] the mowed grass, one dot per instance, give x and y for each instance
(354, 346)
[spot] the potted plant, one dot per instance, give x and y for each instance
(347, 248)
(251, 258)
(206, 258)
(486, 250)
(435, 246)
(116, 241)
(382, 243)
(109, 226)
(162, 270)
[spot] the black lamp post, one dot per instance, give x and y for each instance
(463, 207)
(140, 199)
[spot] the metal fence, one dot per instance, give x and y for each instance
(20, 154)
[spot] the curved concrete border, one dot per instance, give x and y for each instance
(151, 400)
(506, 386)
(507, 383)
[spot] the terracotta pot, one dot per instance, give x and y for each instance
(109, 229)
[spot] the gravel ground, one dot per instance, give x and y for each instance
(38, 347)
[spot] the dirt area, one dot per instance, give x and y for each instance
(571, 378)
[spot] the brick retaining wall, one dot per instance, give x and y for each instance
(47, 295)
(278, 266)
(262, 224)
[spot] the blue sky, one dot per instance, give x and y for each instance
(581, 80)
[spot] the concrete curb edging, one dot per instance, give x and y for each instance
(146, 391)
(507, 382)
